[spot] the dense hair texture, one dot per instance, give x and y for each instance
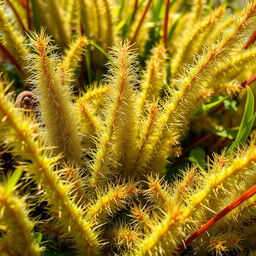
(116, 164)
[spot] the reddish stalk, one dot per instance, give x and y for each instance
(16, 15)
(23, 3)
(249, 193)
(141, 21)
(9, 56)
(28, 15)
(165, 24)
(135, 9)
(248, 81)
(251, 40)
(197, 142)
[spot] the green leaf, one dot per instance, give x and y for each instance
(210, 5)
(35, 15)
(84, 21)
(121, 24)
(13, 180)
(215, 102)
(228, 133)
(99, 48)
(172, 29)
(248, 111)
(88, 66)
(246, 123)
(230, 105)
(157, 10)
(121, 9)
(197, 155)
(38, 237)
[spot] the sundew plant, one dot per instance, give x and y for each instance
(127, 127)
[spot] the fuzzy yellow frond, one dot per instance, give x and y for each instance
(12, 38)
(21, 138)
(6, 248)
(220, 29)
(177, 111)
(73, 13)
(73, 178)
(73, 55)
(100, 21)
(109, 202)
(59, 24)
(142, 220)
(88, 107)
(90, 123)
(225, 243)
(101, 154)
(197, 9)
(148, 133)
(14, 215)
(93, 93)
(158, 191)
(124, 236)
(153, 77)
(233, 68)
(156, 243)
(109, 24)
(56, 108)
(120, 126)
(194, 39)
(201, 204)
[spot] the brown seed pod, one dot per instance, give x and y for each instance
(27, 100)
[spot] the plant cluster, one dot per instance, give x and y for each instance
(90, 161)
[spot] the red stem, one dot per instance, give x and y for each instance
(248, 81)
(10, 57)
(28, 14)
(141, 21)
(165, 24)
(251, 40)
(197, 142)
(17, 15)
(135, 8)
(23, 3)
(249, 193)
